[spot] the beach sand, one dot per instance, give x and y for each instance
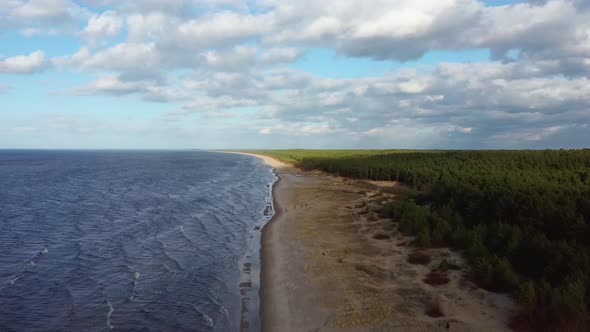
(330, 263)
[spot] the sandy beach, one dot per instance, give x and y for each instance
(330, 263)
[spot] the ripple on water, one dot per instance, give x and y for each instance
(125, 240)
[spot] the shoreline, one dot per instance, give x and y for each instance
(266, 255)
(277, 166)
(272, 162)
(329, 262)
(280, 199)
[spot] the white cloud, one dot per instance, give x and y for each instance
(535, 135)
(123, 57)
(222, 29)
(216, 57)
(48, 10)
(105, 25)
(41, 16)
(175, 7)
(281, 55)
(405, 30)
(322, 27)
(556, 33)
(111, 85)
(24, 64)
(150, 89)
(299, 129)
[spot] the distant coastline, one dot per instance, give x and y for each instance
(272, 162)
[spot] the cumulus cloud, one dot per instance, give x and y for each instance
(155, 89)
(105, 25)
(123, 57)
(55, 11)
(24, 64)
(555, 32)
(465, 103)
(176, 7)
(406, 30)
(299, 129)
(214, 58)
(41, 16)
(111, 85)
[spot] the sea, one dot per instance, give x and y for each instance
(131, 240)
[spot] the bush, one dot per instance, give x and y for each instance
(446, 265)
(423, 238)
(527, 298)
(441, 230)
(504, 277)
(571, 296)
(482, 269)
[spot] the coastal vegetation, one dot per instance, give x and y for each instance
(521, 218)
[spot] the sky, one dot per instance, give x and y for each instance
(260, 74)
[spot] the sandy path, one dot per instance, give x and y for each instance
(324, 270)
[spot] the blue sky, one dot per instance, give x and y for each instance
(210, 74)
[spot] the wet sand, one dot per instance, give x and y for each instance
(330, 263)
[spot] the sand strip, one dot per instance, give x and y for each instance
(330, 263)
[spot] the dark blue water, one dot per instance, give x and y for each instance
(129, 241)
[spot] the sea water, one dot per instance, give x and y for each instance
(130, 241)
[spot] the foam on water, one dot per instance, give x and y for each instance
(14, 280)
(109, 314)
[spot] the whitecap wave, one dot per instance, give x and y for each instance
(110, 312)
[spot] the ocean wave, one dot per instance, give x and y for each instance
(206, 320)
(135, 232)
(27, 266)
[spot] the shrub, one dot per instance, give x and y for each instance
(441, 230)
(423, 238)
(482, 269)
(527, 298)
(504, 277)
(446, 265)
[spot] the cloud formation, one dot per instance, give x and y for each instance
(102, 26)
(37, 17)
(24, 64)
(232, 58)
